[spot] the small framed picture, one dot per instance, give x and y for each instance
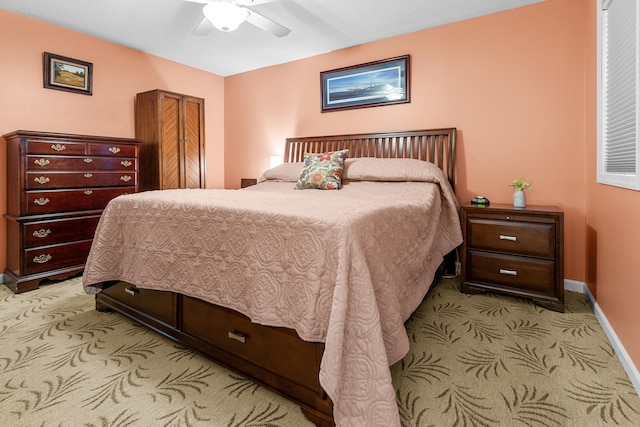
(68, 74)
(372, 84)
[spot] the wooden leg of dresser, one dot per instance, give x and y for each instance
(18, 285)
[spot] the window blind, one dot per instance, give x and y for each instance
(619, 61)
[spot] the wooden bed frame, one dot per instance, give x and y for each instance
(274, 357)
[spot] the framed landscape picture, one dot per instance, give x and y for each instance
(67, 74)
(372, 84)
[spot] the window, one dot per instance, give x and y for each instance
(619, 93)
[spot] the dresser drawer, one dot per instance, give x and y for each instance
(44, 233)
(56, 147)
(52, 257)
(159, 304)
(37, 180)
(231, 331)
(84, 163)
(52, 201)
(513, 272)
(116, 150)
(526, 238)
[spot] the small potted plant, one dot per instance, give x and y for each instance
(518, 196)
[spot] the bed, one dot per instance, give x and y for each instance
(305, 291)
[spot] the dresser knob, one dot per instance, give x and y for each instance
(41, 259)
(41, 201)
(126, 163)
(125, 178)
(58, 147)
(88, 192)
(42, 233)
(88, 175)
(41, 162)
(41, 179)
(114, 150)
(88, 160)
(511, 238)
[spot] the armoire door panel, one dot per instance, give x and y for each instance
(194, 129)
(170, 148)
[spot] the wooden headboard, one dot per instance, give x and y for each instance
(437, 146)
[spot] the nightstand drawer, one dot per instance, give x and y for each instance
(526, 238)
(514, 272)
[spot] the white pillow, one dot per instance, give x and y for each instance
(286, 172)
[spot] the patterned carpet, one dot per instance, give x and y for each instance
(476, 360)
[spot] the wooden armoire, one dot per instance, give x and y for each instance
(171, 129)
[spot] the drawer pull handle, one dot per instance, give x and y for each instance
(126, 163)
(508, 272)
(42, 233)
(88, 160)
(88, 175)
(88, 192)
(41, 259)
(131, 291)
(58, 147)
(510, 238)
(41, 201)
(237, 336)
(125, 178)
(41, 162)
(114, 150)
(41, 179)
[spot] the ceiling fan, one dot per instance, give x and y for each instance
(227, 15)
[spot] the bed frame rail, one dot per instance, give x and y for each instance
(437, 146)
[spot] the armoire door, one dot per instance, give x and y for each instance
(192, 167)
(170, 148)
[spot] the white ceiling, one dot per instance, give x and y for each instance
(163, 27)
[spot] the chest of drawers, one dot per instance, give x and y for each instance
(513, 251)
(57, 187)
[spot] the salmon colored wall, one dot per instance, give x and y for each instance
(118, 74)
(511, 82)
(519, 86)
(613, 233)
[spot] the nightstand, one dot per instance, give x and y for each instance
(248, 182)
(513, 251)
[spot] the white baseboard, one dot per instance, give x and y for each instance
(627, 363)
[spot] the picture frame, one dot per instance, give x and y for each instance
(68, 74)
(372, 84)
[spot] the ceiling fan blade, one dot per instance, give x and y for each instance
(203, 28)
(249, 2)
(267, 24)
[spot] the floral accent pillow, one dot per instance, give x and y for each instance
(322, 171)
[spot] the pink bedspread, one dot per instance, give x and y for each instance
(345, 267)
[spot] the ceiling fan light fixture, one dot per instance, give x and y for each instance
(225, 16)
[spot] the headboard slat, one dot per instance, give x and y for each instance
(437, 146)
